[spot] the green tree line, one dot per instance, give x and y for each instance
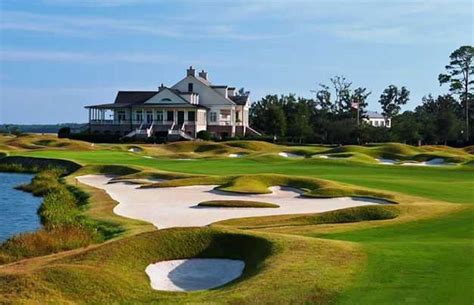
(336, 113)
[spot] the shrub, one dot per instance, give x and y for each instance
(64, 132)
(204, 135)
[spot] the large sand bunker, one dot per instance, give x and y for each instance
(193, 274)
(177, 206)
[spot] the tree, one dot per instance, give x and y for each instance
(342, 89)
(268, 115)
(392, 99)
(406, 128)
(458, 75)
(242, 92)
(439, 119)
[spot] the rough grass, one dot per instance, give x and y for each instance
(348, 215)
(338, 257)
(38, 142)
(259, 184)
(115, 271)
(237, 204)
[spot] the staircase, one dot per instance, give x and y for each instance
(148, 132)
(178, 132)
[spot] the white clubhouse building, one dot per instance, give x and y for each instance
(377, 120)
(181, 111)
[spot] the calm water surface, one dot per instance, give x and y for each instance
(18, 209)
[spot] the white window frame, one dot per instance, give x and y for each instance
(213, 116)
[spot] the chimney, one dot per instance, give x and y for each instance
(190, 71)
(161, 87)
(203, 74)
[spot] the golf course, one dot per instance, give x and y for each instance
(311, 224)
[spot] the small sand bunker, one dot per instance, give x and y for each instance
(432, 162)
(185, 159)
(289, 155)
(134, 149)
(322, 156)
(239, 155)
(193, 274)
(387, 161)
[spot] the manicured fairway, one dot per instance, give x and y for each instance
(406, 258)
(448, 184)
(425, 262)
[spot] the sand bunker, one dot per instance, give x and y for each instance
(177, 206)
(135, 149)
(387, 161)
(432, 162)
(193, 274)
(289, 155)
(240, 155)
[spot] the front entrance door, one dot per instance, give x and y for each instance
(180, 118)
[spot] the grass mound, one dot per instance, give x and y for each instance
(253, 145)
(237, 204)
(356, 214)
(116, 270)
(36, 141)
(29, 164)
(259, 184)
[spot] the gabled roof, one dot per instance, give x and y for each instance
(239, 99)
(134, 97)
(374, 115)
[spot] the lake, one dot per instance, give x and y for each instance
(18, 209)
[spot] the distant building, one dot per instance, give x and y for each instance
(181, 111)
(377, 120)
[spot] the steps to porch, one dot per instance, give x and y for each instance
(175, 132)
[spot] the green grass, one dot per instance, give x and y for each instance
(416, 252)
(451, 184)
(237, 204)
(348, 215)
(422, 262)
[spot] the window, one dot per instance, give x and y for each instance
(138, 116)
(190, 87)
(170, 115)
(213, 117)
(159, 115)
(382, 123)
(191, 116)
(225, 114)
(166, 99)
(121, 115)
(376, 123)
(149, 116)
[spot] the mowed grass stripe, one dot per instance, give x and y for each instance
(427, 182)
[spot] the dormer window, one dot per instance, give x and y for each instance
(166, 99)
(190, 87)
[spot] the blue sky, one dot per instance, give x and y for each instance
(57, 56)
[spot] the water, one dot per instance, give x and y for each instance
(18, 209)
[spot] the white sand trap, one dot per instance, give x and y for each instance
(185, 159)
(387, 161)
(177, 206)
(236, 155)
(432, 162)
(193, 274)
(134, 149)
(289, 155)
(322, 156)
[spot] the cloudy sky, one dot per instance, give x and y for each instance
(57, 56)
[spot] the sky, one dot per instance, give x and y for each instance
(56, 56)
